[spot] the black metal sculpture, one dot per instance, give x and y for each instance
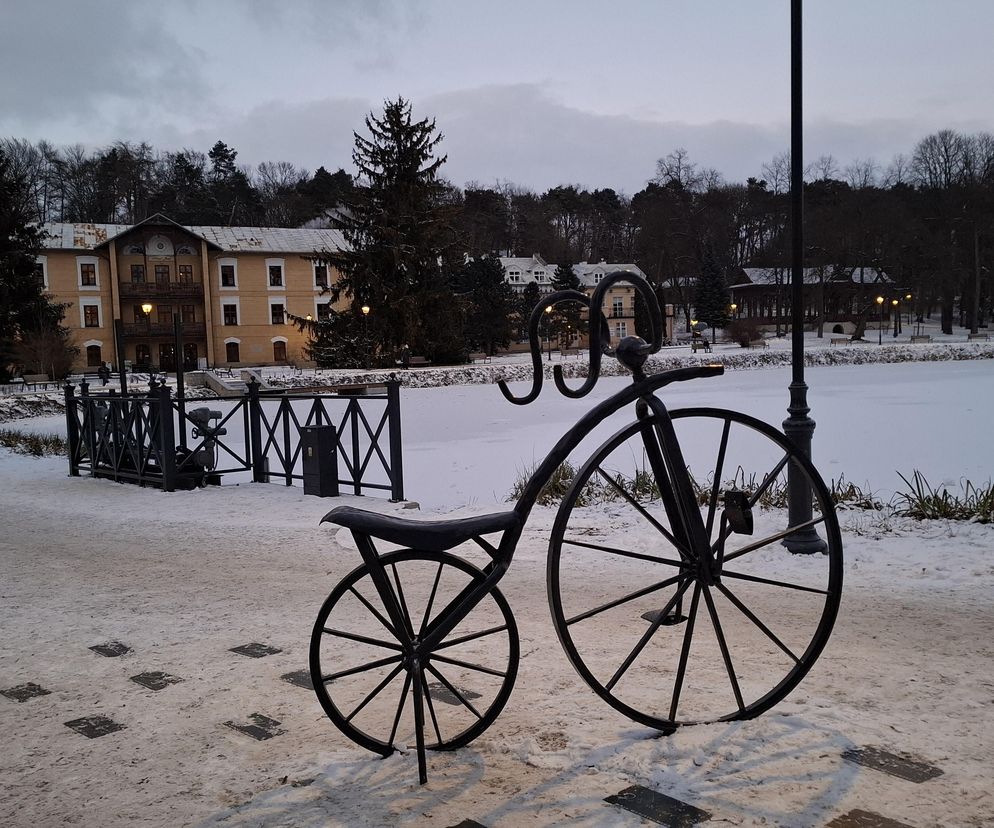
(420, 644)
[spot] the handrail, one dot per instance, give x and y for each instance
(632, 351)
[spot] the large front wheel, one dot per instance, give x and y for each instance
(665, 632)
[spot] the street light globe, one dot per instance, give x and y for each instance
(365, 310)
(548, 308)
(880, 300)
(308, 317)
(894, 302)
(146, 308)
(907, 297)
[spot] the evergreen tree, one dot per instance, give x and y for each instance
(490, 303)
(526, 303)
(401, 249)
(711, 294)
(567, 321)
(26, 314)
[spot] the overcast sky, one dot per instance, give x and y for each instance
(537, 92)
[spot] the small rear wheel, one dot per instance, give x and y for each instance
(657, 634)
(368, 680)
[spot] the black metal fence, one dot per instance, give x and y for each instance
(156, 439)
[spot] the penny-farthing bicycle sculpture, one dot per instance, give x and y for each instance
(674, 596)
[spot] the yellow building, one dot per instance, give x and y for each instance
(231, 288)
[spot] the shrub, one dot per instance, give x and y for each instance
(922, 502)
(38, 445)
(743, 331)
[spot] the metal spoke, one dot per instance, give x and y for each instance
(400, 707)
(431, 601)
(748, 613)
(790, 530)
(723, 646)
(403, 602)
(768, 481)
(382, 662)
(681, 548)
(688, 635)
(785, 584)
(374, 692)
(646, 636)
(618, 602)
(361, 638)
(469, 666)
(471, 637)
(431, 708)
(624, 553)
(454, 691)
(375, 612)
(719, 465)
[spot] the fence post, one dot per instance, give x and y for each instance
(89, 421)
(167, 438)
(259, 471)
(72, 429)
(393, 419)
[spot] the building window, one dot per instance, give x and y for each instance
(324, 311)
(39, 274)
(137, 274)
(230, 314)
(88, 274)
(138, 312)
(228, 276)
(277, 314)
(621, 329)
(165, 314)
(185, 274)
(320, 275)
(161, 274)
(514, 277)
(276, 275)
(188, 314)
(91, 316)
(143, 354)
(231, 351)
(617, 307)
(279, 351)
(94, 359)
(541, 275)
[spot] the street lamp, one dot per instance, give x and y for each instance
(897, 316)
(907, 300)
(548, 328)
(734, 308)
(880, 324)
(147, 310)
(365, 334)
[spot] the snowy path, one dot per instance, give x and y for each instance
(183, 578)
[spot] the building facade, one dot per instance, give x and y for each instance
(231, 289)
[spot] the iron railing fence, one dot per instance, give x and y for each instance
(126, 437)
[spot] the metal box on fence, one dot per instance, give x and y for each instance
(319, 455)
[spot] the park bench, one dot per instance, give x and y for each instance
(759, 343)
(479, 356)
(224, 372)
(840, 340)
(38, 382)
(418, 362)
(567, 352)
(978, 336)
(920, 338)
(700, 345)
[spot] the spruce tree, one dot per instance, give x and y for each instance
(711, 294)
(490, 303)
(400, 245)
(567, 320)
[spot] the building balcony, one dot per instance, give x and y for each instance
(161, 290)
(163, 330)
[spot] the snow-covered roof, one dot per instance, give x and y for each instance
(87, 236)
(813, 275)
(591, 274)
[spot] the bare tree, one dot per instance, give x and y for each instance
(938, 159)
(898, 172)
(825, 167)
(677, 168)
(862, 173)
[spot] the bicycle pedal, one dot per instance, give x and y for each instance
(669, 620)
(738, 512)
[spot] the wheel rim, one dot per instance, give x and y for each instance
(744, 639)
(364, 679)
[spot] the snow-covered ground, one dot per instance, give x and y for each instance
(182, 578)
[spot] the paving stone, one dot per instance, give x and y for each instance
(439, 692)
(255, 650)
(260, 728)
(23, 692)
(903, 767)
(112, 649)
(156, 680)
(300, 678)
(657, 807)
(865, 819)
(93, 727)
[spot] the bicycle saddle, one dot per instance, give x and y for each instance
(429, 535)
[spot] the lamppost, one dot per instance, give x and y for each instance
(897, 316)
(365, 334)
(734, 308)
(147, 310)
(548, 328)
(880, 323)
(907, 301)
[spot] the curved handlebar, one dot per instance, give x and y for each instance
(600, 336)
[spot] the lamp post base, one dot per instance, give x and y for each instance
(799, 427)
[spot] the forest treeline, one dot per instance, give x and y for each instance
(926, 218)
